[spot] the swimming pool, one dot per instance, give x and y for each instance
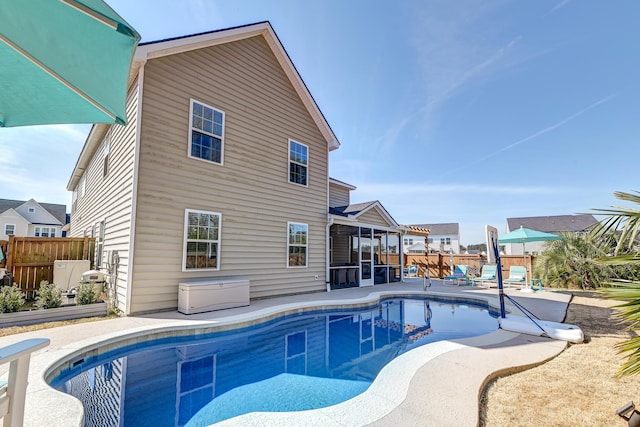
(290, 363)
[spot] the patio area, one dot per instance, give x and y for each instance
(439, 383)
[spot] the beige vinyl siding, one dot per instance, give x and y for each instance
(373, 217)
(110, 198)
(338, 196)
(250, 190)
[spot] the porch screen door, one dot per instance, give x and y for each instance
(366, 257)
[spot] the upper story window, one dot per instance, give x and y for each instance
(105, 155)
(445, 240)
(83, 186)
(206, 133)
(201, 240)
(298, 163)
(9, 229)
(31, 210)
(297, 244)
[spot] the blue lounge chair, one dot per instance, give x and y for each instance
(517, 275)
(487, 275)
(411, 271)
(459, 275)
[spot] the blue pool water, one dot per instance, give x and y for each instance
(295, 362)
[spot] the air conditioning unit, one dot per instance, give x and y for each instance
(93, 276)
(68, 274)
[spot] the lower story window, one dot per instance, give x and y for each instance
(297, 244)
(9, 229)
(202, 231)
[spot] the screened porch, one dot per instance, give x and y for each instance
(363, 256)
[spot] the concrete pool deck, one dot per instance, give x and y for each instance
(438, 384)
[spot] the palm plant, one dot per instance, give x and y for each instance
(571, 262)
(622, 226)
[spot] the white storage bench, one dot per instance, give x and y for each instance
(212, 294)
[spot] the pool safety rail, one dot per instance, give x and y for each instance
(13, 392)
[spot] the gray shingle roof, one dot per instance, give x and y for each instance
(554, 223)
(353, 209)
(444, 229)
(58, 211)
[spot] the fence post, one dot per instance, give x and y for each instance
(85, 248)
(10, 251)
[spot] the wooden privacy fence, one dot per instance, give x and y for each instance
(30, 259)
(439, 265)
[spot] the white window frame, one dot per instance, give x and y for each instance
(186, 240)
(290, 162)
(300, 245)
(41, 231)
(105, 156)
(213, 135)
(31, 209)
(6, 226)
(100, 244)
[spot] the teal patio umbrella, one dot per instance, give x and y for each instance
(524, 235)
(63, 61)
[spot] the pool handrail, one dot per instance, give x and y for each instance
(13, 392)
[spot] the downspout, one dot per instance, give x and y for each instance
(328, 253)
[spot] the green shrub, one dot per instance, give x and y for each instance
(86, 293)
(48, 296)
(11, 299)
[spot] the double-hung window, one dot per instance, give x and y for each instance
(297, 244)
(201, 240)
(105, 157)
(9, 229)
(44, 232)
(298, 163)
(206, 133)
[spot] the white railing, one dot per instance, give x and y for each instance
(13, 392)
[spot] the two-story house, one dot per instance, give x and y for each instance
(220, 172)
(444, 237)
(31, 219)
(554, 224)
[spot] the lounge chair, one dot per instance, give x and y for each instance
(411, 271)
(459, 275)
(487, 275)
(517, 275)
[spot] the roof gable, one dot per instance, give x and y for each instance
(35, 213)
(150, 50)
(554, 223)
(51, 213)
(171, 46)
(10, 216)
(358, 210)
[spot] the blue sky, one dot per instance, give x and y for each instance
(447, 111)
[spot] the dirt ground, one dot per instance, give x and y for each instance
(577, 388)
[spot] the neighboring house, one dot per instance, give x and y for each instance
(220, 173)
(365, 241)
(442, 238)
(31, 219)
(549, 224)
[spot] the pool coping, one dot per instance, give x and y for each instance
(397, 393)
